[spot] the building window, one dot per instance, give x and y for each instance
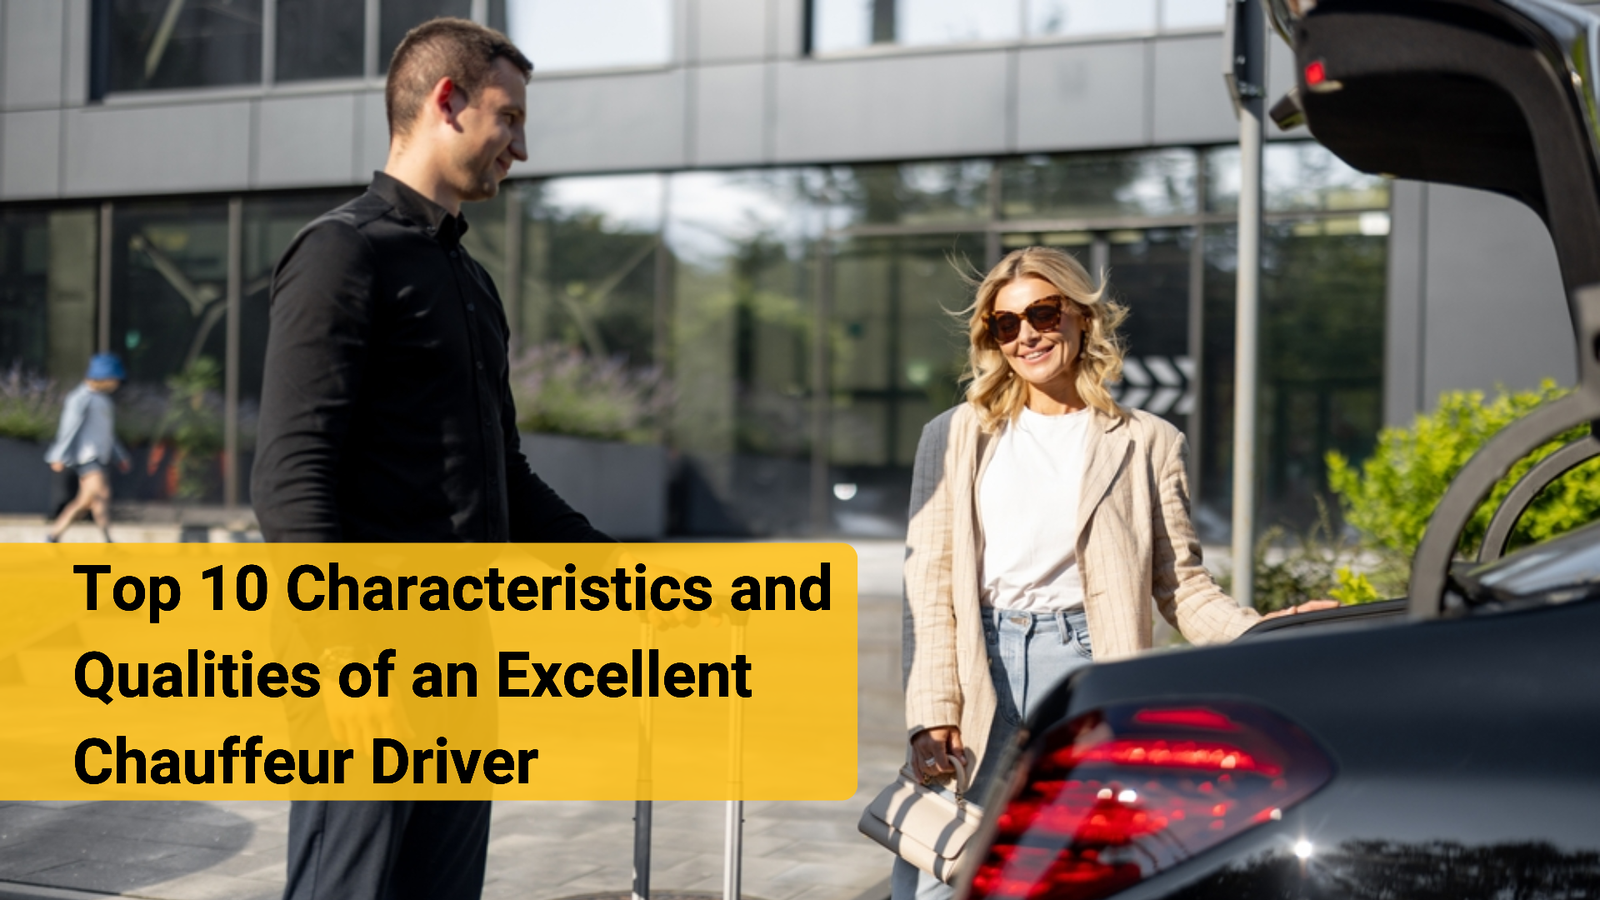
(1181, 14)
(1084, 18)
(320, 39)
(141, 45)
(595, 34)
(169, 275)
(1072, 18)
(852, 24)
(396, 17)
(154, 44)
(47, 290)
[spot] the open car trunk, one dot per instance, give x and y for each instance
(1490, 94)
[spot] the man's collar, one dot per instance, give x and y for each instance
(412, 205)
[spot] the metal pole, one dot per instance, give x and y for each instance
(1197, 341)
(230, 365)
(103, 278)
(733, 833)
(641, 850)
(821, 391)
(1249, 28)
(733, 851)
(641, 806)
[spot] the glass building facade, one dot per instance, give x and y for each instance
(801, 315)
(155, 45)
(800, 318)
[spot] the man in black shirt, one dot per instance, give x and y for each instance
(386, 415)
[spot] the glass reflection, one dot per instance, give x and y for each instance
(590, 267)
(1177, 14)
(396, 17)
(1150, 276)
(1296, 177)
(319, 39)
(1155, 183)
(24, 270)
(1322, 334)
(168, 287)
(907, 193)
(560, 34)
(47, 290)
(1073, 18)
(161, 44)
(896, 355)
(851, 24)
(920, 22)
(742, 331)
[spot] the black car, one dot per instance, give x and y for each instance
(1442, 746)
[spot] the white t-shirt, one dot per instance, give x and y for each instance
(1028, 505)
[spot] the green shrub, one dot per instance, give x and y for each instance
(560, 390)
(30, 406)
(1390, 499)
(1291, 568)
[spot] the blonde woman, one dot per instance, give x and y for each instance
(1044, 520)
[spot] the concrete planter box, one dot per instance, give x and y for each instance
(622, 488)
(25, 481)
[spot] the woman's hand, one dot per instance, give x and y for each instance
(1308, 606)
(931, 750)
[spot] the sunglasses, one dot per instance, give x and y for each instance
(1043, 314)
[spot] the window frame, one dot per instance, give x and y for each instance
(1021, 39)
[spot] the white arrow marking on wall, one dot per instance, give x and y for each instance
(1159, 384)
(1138, 389)
(1171, 384)
(1186, 405)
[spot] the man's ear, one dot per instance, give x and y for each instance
(448, 99)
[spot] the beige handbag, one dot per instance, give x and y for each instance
(923, 825)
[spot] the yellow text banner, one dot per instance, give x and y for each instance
(428, 671)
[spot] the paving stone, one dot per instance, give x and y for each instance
(107, 876)
(812, 873)
(212, 886)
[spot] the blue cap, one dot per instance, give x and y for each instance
(106, 365)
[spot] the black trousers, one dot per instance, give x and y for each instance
(387, 850)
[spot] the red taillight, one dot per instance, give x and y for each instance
(1117, 795)
(1316, 73)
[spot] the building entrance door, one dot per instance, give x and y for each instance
(895, 355)
(1151, 271)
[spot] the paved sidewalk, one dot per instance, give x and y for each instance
(537, 851)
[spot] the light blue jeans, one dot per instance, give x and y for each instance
(1029, 654)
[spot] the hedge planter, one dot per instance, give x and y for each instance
(622, 488)
(25, 481)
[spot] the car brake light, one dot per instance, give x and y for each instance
(1316, 73)
(1117, 795)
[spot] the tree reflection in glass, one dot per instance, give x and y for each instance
(1152, 183)
(169, 298)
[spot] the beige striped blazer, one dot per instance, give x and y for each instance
(1135, 545)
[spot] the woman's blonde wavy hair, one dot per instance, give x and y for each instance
(994, 390)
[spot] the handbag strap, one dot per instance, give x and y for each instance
(962, 784)
(961, 779)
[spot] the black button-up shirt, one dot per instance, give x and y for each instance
(386, 410)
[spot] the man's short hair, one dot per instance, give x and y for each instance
(463, 51)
